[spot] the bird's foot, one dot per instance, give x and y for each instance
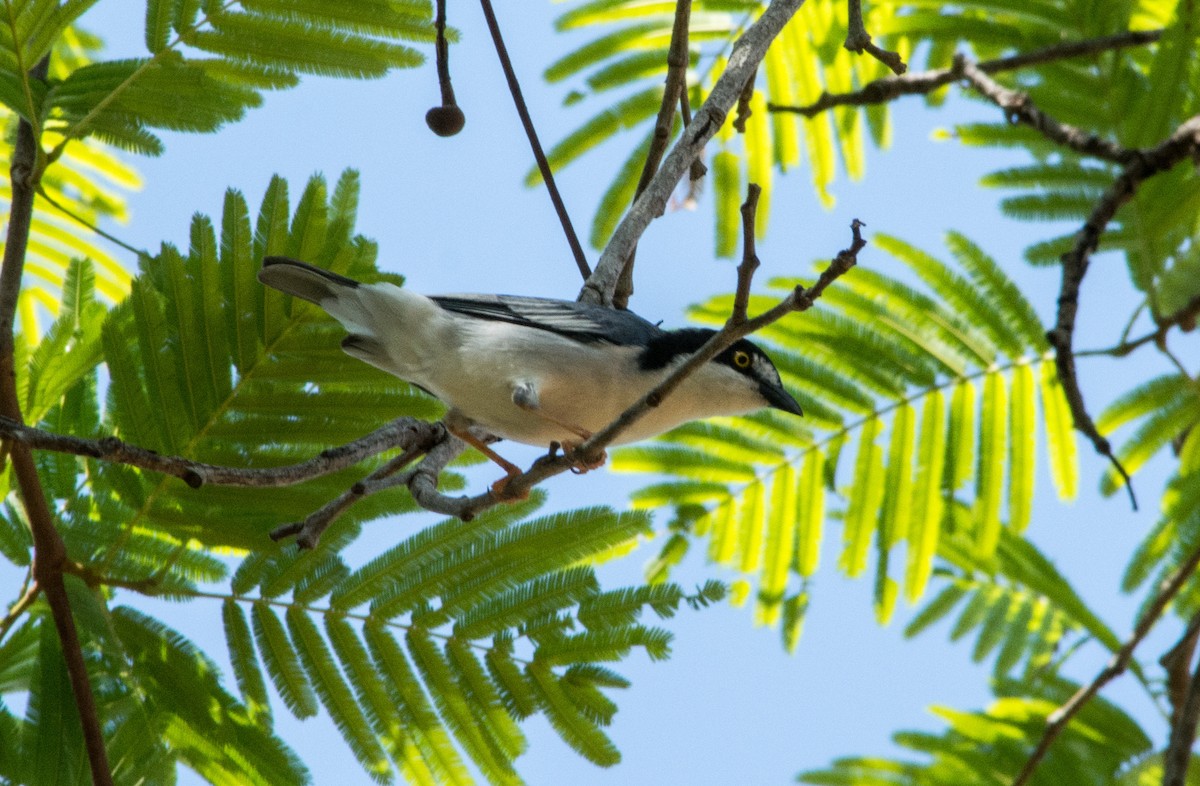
(581, 463)
(500, 489)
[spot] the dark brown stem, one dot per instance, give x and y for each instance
(308, 532)
(442, 52)
(1019, 107)
(1178, 755)
(1058, 720)
(745, 271)
(543, 165)
(1177, 663)
(1183, 142)
(675, 92)
(402, 434)
(859, 41)
(447, 119)
(48, 548)
(889, 88)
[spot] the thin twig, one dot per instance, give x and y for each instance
(543, 165)
(859, 41)
(308, 532)
(1020, 108)
(889, 88)
(747, 53)
(29, 594)
(1058, 720)
(674, 92)
(49, 551)
(88, 224)
(742, 115)
(1183, 142)
(745, 271)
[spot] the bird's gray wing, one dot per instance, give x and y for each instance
(577, 321)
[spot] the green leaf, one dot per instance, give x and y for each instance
(282, 662)
(866, 495)
(245, 664)
(573, 726)
(990, 475)
(1022, 462)
(927, 497)
(336, 696)
(1060, 433)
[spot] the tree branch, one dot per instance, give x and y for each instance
(514, 87)
(748, 51)
(1183, 142)
(1058, 720)
(1178, 754)
(745, 271)
(402, 433)
(890, 88)
(674, 94)
(48, 548)
(1018, 107)
(858, 41)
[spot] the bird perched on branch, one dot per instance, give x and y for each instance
(533, 370)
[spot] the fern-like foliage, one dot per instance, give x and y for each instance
(936, 387)
(1102, 746)
(435, 650)
(208, 62)
(1025, 612)
(1141, 95)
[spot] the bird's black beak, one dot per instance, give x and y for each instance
(779, 398)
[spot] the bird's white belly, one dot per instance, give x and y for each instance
(577, 384)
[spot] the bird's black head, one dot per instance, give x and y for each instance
(743, 357)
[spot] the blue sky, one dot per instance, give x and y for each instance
(451, 214)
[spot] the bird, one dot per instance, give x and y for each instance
(533, 370)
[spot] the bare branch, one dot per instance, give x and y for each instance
(308, 532)
(674, 93)
(859, 41)
(1018, 107)
(741, 296)
(1183, 142)
(402, 433)
(1058, 720)
(514, 87)
(48, 548)
(748, 52)
(890, 88)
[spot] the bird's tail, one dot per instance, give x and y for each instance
(304, 281)
(369, 312)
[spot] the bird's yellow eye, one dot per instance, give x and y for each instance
(741, 359)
